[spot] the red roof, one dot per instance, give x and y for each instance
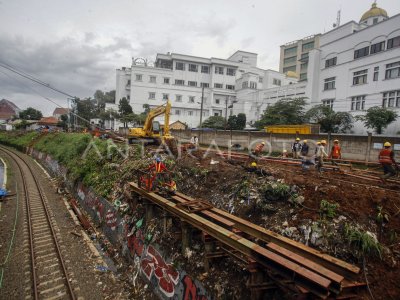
(48, 121)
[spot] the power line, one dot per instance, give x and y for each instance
(32, 78)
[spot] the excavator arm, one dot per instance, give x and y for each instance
(159, 110)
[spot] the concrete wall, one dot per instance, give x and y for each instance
(357, 147)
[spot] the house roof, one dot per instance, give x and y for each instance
(48, 121)
(61, 111)
(9, 103)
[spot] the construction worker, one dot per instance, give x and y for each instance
(386, 159)
(316, 148)
(258, 149)
(319, 157)
(304, 148)
(158, 166)
(296, 148)
(336, 152)
(253, 167)
(284, 154)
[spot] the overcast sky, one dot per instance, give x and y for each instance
(77, 45)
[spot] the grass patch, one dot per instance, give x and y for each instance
(363, 241)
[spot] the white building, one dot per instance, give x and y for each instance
(357, 66)
(180, 78)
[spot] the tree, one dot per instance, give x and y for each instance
(63, 123)
(329, 120)
(30, 114)
(86, 109)
(216, 122)
(378, 118)
(237, 122)
(124, 108)
(284, 112)
(103, 98)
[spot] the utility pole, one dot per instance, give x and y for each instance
(226, 112)
(201, 106)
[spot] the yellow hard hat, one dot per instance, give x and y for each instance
(336, 141)
(253, 164)
(263, 143)
(284, 151)
(297, 139)
(318, 143)
(323, 142)
(305, 141)
(387, 144)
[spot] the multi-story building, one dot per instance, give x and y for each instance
(185, 80)
(294, 55)
(357, 66)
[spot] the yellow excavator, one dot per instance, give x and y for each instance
(150, 133)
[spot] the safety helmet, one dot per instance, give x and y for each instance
(318, 143)
(323, 142)
(336, 141)
(297, 139)
(158, 159)
(387, 144)
(305, 141)
(263, 143)
(253, 164)
(284, 151)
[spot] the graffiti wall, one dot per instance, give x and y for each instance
(158, 271)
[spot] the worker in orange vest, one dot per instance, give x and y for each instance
(158, 166)
(336, 152)
(258, 149)
(386, 159)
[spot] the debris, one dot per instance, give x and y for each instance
(75, 233)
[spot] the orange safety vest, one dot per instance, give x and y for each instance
(259, 148)
(336, 151)
(384, 157)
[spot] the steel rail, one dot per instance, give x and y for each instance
(13, 154)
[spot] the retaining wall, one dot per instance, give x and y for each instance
(166, 281)
(354, 147)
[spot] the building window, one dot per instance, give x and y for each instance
(139, 77)
(219, 70)
(177, 112)
(230, 72)
(180, 66)
(152, 95)
(245, 84)
(205, 69)
(192, 83)
(328, 102)
(361, 52)
(230, 87)
(308, 46)
(191, 99)
(303, 76)
(376, 73)
(165, 96)
(358, 103)
(391, 99)
(290, 60)
(253, 84)
(375, 21)
(260, 79)
(392, 70)
(304, 56)
(205, 84)
(289, 51)
(190, 112)
(303, 67)
(166, 80)
(216, 101)
(218, 85)
(129, 82)
(378, 47)
(193, 68)
(330, 62)
(128, 97)
(179, 82)
(178, 98)
(291, 68)
(329, 83)
(360, 77)
(153, 79)
(393, 43)
(276, 82)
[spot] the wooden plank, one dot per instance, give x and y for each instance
(307, 263)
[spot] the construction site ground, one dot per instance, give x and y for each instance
(222, 181)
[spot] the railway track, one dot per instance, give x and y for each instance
(288, 263)
(49, 278)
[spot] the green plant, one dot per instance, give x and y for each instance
(364, 242)
(276, 191)
(328, 209)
